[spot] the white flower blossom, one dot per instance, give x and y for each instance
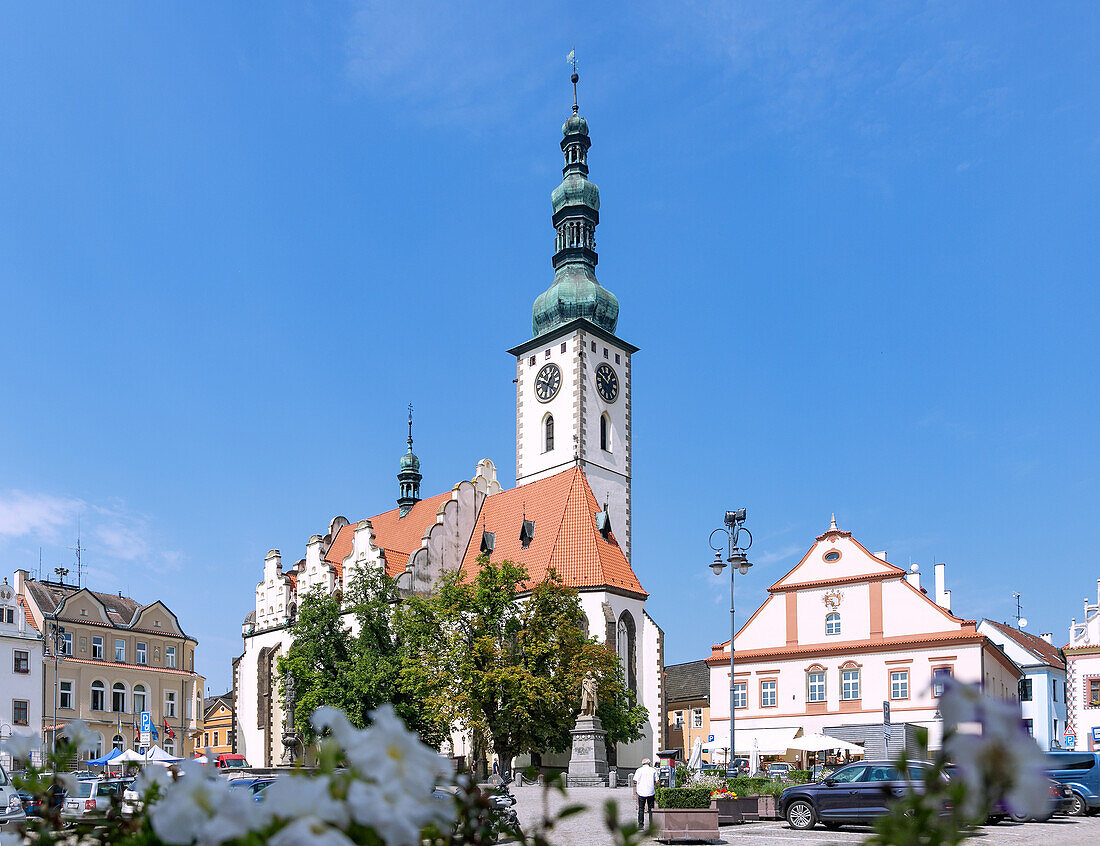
(311, 830)
(1002, 758)
(21, 745)
(292, 797)
(80, 735)
(159, 776)
(203, 810)
(397, 815)
(391, 754)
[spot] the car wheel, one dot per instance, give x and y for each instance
(801, 815)
(1020, 818)
(1079, 808)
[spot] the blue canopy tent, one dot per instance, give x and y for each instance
(106, 759)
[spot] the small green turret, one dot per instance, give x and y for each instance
(409, 477)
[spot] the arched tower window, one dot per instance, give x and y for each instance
(99, 694)
(118, 697)
(626, 647)
(832, 623)
(548, 427)
(605, 432)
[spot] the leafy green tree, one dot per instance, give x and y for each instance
(354, 667)
(508, 668)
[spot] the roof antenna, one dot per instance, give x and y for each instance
(572, 59)
(1021, 621)
(78, 549)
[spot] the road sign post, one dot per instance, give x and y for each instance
(146, 733)
(1070, 739)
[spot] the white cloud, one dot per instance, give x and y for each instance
(110, 534)
(36, 515)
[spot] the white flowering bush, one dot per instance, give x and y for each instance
(378, 786)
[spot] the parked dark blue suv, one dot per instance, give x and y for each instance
(856, 793)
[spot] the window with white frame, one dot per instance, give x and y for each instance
(97, 648)
(99, 696)
(697, 718)
(170, 657)
(769, 696)
(939, 676)
(67, 643)
(678, 719)
(832, 623)
(120, 651)
(139, 653)
(740, 695)
(815, 686)
(169, 703)
(140, 701)
(118, 697)
(65, 694)
(899, 684)
(849, 684)
(169, 746)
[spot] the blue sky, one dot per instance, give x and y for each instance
(855, 242)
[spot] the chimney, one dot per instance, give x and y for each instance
(881, 555)
(913, 577)
(21, 577)
(943, 596)
(1048, 637)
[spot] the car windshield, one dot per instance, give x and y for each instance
(3, 777)
(848, 774)
(234, 762)
(83, 789)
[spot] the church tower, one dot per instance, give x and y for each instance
(408, 479)
(573, 378)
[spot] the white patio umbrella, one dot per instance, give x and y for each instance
(821, 743)
(159, 756)
(754, 757)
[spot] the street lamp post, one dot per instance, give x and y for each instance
(733, 529)
(58, 633)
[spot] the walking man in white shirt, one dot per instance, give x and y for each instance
(645, 786)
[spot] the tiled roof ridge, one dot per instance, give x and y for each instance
(561, 523)
(1042, 650)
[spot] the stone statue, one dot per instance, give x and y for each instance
(588, 696)
(291, 741)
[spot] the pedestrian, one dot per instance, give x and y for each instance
(645, 786)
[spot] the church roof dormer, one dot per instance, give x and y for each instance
(575, 292)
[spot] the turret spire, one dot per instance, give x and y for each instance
(409, 478)
(576, 203)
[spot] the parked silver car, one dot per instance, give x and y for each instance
(92, 796)
(11, 806)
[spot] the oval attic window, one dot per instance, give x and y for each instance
(832, 555)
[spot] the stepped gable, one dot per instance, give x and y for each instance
(398, 537)
(563, 509)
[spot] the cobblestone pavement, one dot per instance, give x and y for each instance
(587, 828)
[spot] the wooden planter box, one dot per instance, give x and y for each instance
(766, 809)
(686, 824)
(733, 811)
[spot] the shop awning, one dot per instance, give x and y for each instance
(764, 741)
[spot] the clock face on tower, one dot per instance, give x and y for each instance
(607, 383)
(547, 383)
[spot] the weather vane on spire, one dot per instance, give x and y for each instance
(572, 59)
(410, 425)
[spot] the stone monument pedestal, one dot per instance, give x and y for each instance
(588, 760)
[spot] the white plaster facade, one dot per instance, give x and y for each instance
(1083, 677)
(1043, 687)
(804, 670)
(21, 684)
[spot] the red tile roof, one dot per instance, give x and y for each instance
(397, 536)
(566, 539)
(27, 613)
(1045, 652)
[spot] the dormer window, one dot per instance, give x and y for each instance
(603, 522)
(488, 541)
(527, 533)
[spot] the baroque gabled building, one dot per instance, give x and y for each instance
(570, 510)
(842, 638)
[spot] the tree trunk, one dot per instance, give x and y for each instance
(504, 761)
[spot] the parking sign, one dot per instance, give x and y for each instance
(146, 722)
